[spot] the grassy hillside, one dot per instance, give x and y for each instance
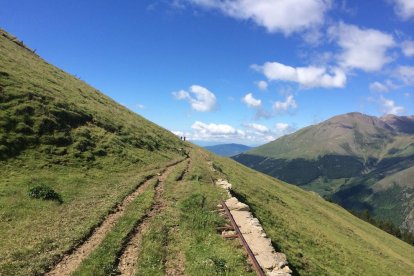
(56, 130)
(346, 158)
(91, 154)
(319, 237)
(43, 107)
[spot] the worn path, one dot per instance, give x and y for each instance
(128, 259)
(70, 262)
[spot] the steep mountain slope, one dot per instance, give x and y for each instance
(114, 171)
(228, 150)
(58, 132)
(348, 158)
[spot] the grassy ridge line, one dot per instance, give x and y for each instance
(318, 237)
(58, 131)
(44, 107)
(103, 260)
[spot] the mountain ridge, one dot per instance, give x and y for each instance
(228, 149)
(344, 157)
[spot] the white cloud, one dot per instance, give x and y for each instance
(402, 76)
(212, 131)
(310, 76)
(262, 85)
(252, 134)
(281, 127)
(258, 127)
(200, 98)
(378, 87)
(408, 48)
(406, 74)
(251, 101)
(177, 132)
(390, 107)
(364, 49)
(404, 8)
(289, 103)
(141, 106)
(285, 16)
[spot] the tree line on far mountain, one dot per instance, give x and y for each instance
(387, 226)
(384, 225)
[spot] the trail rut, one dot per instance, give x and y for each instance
(128, 259)
(70, 262)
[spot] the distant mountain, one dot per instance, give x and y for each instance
(228, 149)
(360, 161)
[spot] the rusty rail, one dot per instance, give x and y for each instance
(246, 246)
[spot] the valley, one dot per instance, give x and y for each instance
(359, 161)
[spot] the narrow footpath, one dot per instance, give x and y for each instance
(71, 261)
(128, 259)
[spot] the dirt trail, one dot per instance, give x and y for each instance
(128, 259)
(175, 264)
(70, 262)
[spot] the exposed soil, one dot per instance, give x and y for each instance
(128, 259)
(70, 262)
(175, 263)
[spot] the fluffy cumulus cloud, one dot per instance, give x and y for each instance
(288, 104)
(258, 128)
(212, 131)
(250, 101)
(408, 47)
(262, 85)
(285, 16)
(200, 98)
(390, 107)
(365, 49)
(282, 127)
(252, 133)
(310, 76)
(404, 8)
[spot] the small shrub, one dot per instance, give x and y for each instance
(196, 177)
(217, 167)
(44, 192)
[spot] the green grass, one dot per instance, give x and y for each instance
(35, 232)
(186, 233)
(153, 249)
(102, 261)
(58, 131)
(347, 149)
(319, 238)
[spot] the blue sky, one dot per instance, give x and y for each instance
(245, 71)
